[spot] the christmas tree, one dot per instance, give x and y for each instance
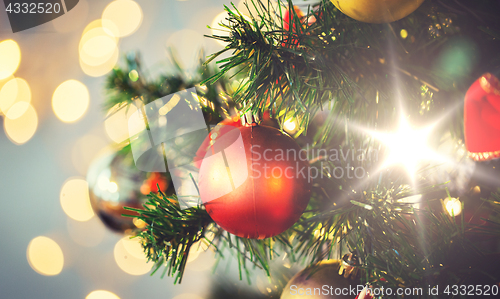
(358, 139)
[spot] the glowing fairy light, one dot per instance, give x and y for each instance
(403, 33)
(407, 146)
(453, 206)
(290, 126)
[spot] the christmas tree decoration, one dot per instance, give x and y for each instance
(222, 128)
(365, 294)
(310, 282)
(115, 183)
(234, 121)
(482, 118)
(253, 182)
(292, 21)
(453, 206)
(377, 11)
(288, 18)
(363, 79)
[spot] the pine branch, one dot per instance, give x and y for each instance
(170, 232)
(302, 69)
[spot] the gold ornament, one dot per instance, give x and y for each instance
(377, 11)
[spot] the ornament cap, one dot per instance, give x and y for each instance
(250, 119)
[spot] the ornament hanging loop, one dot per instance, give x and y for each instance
(250, 119)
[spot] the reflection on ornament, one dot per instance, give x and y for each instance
(115, 183)
(377, 11)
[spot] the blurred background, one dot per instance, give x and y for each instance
(52, 90)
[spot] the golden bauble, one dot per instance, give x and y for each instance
(377, 11)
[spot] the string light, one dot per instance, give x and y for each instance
(453, 206)
(407, 146)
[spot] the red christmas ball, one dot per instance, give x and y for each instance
(253, 180)
(234, 121)
(482, 118)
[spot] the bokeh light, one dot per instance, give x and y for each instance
(101, 69)
(134, 247)
(457, 59)
(45, 256)
(101, 294)
(133, 75)
(453, 206)
(87, 234)
(98, 49)
(75, 201)
(10, 58)
(117, 123)
(21, 129)
(403, 33)
(90, 47)
(70, 100)
(247, 8)
(129, 259)
(122, 17)
(13, 92)
(217, 29)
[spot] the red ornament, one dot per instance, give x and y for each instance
(482, 118)
(224, 126)
(247, 187)
(365, 294)
(288, 18)
(151, 184)
(234, 121)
